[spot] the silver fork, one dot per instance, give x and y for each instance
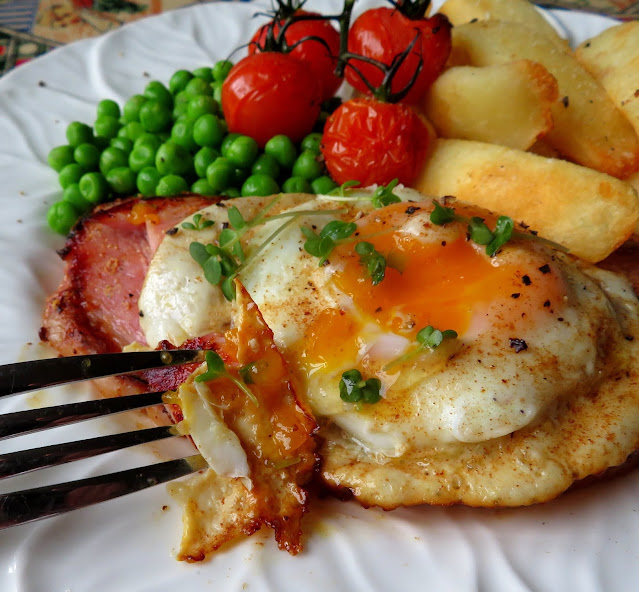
(42, 502)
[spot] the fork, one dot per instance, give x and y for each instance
(42, 502)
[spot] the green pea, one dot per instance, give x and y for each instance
(61, 217)
(323, 185)
(240, 174)
(122, 180)
(296, 185)
(108, 107)
(203, 158)
(123, 144)
(182, 134)
(198, 86)
(171, 185)
(221, 70)
(74, 196)
(282, 149)
(179, 80)
(147, 139)
(94, 187)
(227, 141)
(307, 166)
(70, 173)
(106, 126)
(147, 181)
(203, 187)
(131, 130)
(172, 159)
(201, 105)
(155, 116)
(112, 158)
(312, 142)
(87, 155)
(231, 192)
(156, 91)
(260, 185)
(79, 133)
(267, 164)
(220, 173)
(204, 73)
(242, 151)
(180, 105)
(60, 156)
(142, 156)
(216, 89)
(131, 109)
(208, 131)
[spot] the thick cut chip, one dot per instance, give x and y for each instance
(587, 212)
(588, 128)
(508, 104)
(612, 57)
(260, 443)
(513, 11)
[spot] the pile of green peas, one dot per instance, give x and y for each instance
(173, 139)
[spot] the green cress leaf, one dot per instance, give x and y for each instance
(236, 219)
(427, 338)
(198, 223)
(338, 230)
(342, 190)
(441, 215)
(503, 232)
(384, 196)
(372, 260)
(353, 388)
(212, 270)
(198, 252)
(228, 289)
(215, 368)
(479, 232)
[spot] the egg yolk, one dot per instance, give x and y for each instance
(443, 284)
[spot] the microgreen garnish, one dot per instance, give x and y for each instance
(198, 223)
(247, 371)
(478, 231)
(372, 260)
(384, 196)
(321, 245)
(342, 190)
(223, 262)
(215, 368)
(427, 338)
(354, 389)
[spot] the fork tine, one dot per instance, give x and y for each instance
(28, 376)
(42, 502)
(33, 420)
(24, 461)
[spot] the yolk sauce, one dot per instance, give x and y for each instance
(442, 284)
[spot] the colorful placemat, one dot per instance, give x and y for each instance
(29, 28)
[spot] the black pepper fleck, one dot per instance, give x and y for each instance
(545, 268)
(526, 279)
(141, 313)
(515, 295)
(565, 101)
(172, 231)
(411, 210)
(629, 338)
(519, 345)
(547, 303)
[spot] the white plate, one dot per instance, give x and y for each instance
(586, 541)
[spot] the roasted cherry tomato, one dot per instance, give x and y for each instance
(384, 33)
(320, 57)
(374, 142)
(269, 93)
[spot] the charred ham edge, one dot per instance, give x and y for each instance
(107, 255)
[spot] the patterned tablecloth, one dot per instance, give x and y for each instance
(29, 28)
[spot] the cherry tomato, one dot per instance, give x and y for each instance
(269, 93)
(320, 58)
(373, 142)
(383, 33)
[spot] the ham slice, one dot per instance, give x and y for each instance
(107, 255)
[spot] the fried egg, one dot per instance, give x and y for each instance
(540, 337)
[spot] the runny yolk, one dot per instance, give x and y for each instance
(426, 283)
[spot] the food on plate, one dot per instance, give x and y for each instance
(508, 104)
(411, 416)
(381, 34)
(375, 142)
(510, 11)
(451, 346)
(588, 127)
(611, 57)
(586, 211)
(256, 436)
